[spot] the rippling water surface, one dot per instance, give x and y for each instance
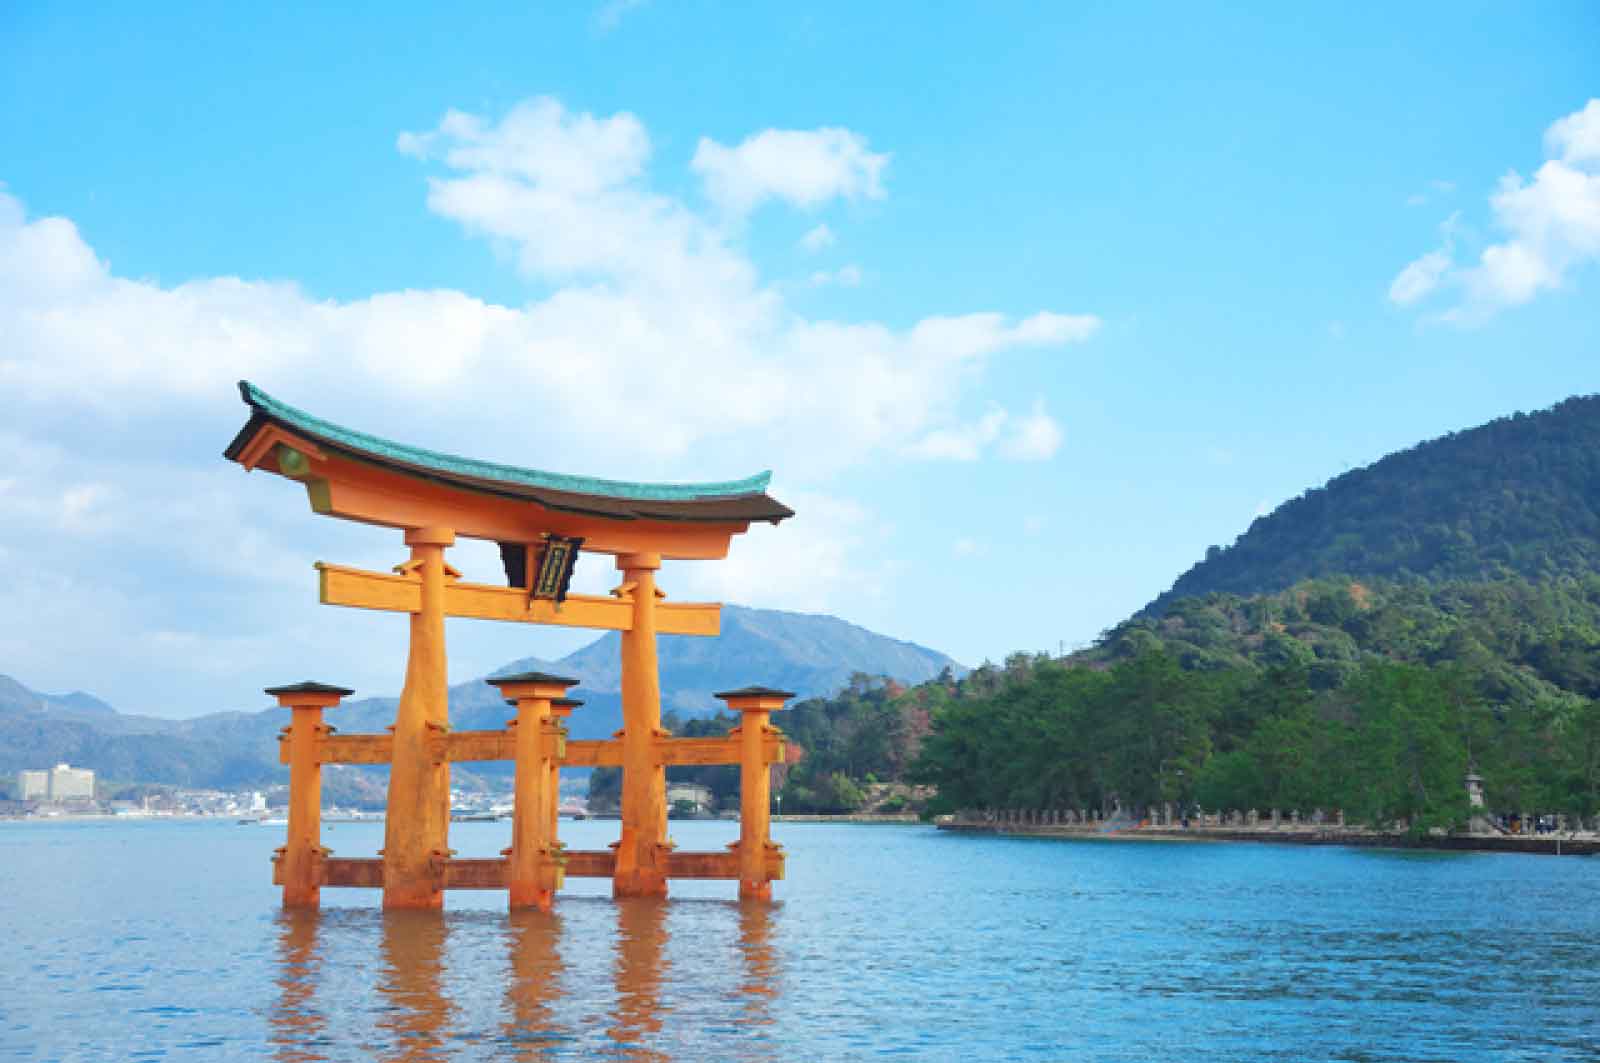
(149, 940)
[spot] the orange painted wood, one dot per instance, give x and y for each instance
(303, 847)
(417, 826)
(639, 870)
(476, 874)
(500, 745)
(530, 873)
(755, 796)
(348, 749)
(476, 745)
(591, 863)
(360, 589)
(703, 865)
(727, 750)
(492, 873)
(359, 872)
(601, 863)
(338, 486)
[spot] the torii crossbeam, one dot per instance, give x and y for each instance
(541, 521)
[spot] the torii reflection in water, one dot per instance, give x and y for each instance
(421, 1022)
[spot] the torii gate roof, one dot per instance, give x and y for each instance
(726, 501)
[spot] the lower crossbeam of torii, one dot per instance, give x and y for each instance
(541, 521)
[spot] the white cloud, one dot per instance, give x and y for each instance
(844, 277)
(966, 548)
(610, 14)
(1443, 188)
(803, 564)
(652, 309)
(1419, 278)
(655, 351)
(1552, 224)
(803, 167)
(1034, 437)
(817, 238)
(965, 442)
(78, 505)
(1576, 138)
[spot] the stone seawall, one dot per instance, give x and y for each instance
(858, 817)
(1545, 844)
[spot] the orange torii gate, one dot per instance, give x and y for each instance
(541, 522)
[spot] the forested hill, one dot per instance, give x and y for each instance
(1518, 639)
(1517, 496)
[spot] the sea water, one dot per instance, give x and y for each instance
(164, 940)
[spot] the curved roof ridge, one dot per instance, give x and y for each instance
(290, 416)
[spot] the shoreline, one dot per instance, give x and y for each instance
(850, 817)
(1534, 844)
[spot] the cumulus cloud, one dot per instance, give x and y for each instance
(844, 277)
(1033, 437)
(817, 238)
(655, 350)
(1419, 278)
(1552, 227)
(652, 309)
(805, 168)
(965, 442)
(802, 564)
(1575, 139)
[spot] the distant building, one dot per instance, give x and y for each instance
(71, 784)
(689, 793)
(33, 786)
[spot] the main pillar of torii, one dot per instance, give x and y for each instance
(541, 521)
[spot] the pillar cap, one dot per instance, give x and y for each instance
(307, 686)
(754, 692)
(536, 686)
(531, 677)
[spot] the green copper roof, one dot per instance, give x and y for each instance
(487, 470)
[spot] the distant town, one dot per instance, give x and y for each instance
(68, 792)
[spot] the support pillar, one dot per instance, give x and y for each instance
(561, 709)
(300, 867)
(534, 871)
(642, 850)
(756, 705)
(416, 838)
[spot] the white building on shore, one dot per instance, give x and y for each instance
(61, 783)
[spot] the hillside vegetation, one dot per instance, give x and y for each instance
(1519, 496)
(1376, 699)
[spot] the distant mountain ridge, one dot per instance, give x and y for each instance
(1519, 496)
(812, 655)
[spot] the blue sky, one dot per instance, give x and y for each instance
(1025, 305)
